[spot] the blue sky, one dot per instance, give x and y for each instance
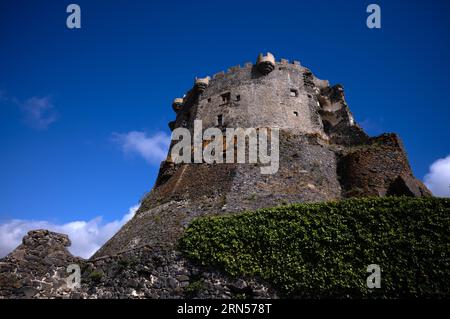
(84, 112)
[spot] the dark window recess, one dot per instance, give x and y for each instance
(219, 120)
(293, 93)
(309, 96)
(226, 97)
(209, 100)
(295, 113)
(238, 97)
(308, 79)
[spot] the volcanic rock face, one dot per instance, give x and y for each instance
(324, 155)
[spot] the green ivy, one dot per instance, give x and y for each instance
(322, 250)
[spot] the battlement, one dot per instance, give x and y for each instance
(249, 66)
(286, 62)
(269, 93)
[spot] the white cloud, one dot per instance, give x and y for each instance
(38, 112)
(438, 177)
(86, 236)
(152, 148)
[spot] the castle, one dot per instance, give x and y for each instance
(323, 155)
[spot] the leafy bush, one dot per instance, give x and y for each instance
(322, 250)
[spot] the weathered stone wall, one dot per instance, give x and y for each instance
(260, 101)
(307, 173)
(278, 99)
(379, 168)
(37, 269)
(338, 122)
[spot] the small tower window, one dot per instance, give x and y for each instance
(226, 97)
(209, 100)
(295, 113)
(238, 97)
(293, 93)
(219, 120)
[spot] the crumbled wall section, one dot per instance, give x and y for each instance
(379, 168)
(37, 268)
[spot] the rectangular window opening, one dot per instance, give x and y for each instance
(293, 93)
(238, 97)
(219, 120)
(295, 113)
(226, 97)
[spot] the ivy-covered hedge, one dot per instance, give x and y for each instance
(322, 250)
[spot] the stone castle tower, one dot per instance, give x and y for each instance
(324, 154)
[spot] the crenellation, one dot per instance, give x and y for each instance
(234, 68)
(219, 75)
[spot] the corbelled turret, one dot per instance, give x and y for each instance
(177, 104)
(201, 84)
(265, 63)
